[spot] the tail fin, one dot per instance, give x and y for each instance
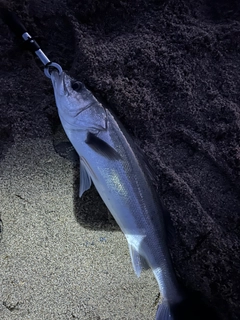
(193, 307)
(163, 311)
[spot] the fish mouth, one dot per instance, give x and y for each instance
(58, 81)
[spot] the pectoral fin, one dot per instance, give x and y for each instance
(85, 179)
(101, 147)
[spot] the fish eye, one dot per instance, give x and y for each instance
(76, 85)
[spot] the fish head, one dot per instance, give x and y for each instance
(71, 95)
(77, 106)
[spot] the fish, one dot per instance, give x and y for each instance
(110, 159)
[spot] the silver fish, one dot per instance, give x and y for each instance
(110, 159)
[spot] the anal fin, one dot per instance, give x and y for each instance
(138, 261)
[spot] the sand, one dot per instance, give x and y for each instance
(170, 72)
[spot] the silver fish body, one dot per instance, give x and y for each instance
(110, 159)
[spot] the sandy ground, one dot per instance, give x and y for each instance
(170, 72)
(52, 267)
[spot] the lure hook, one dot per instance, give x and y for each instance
(50, 65)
